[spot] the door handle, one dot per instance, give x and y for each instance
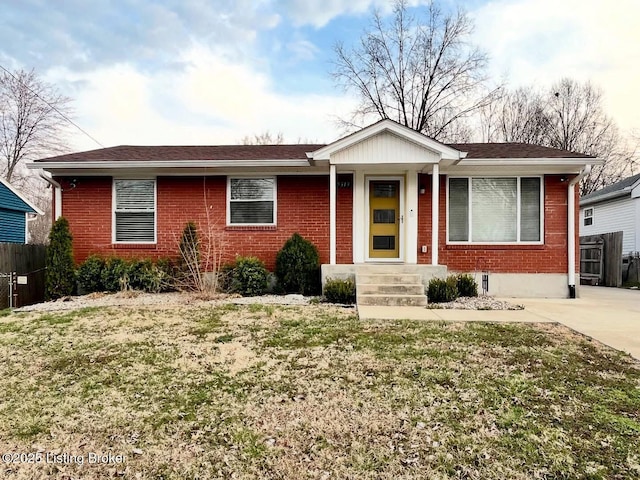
(401, 218)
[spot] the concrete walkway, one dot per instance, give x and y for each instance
(609, 315)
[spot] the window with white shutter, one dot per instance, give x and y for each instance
(134, 211)
(494, 210)
(251, 201)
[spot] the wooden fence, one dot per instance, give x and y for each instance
(22, 274)
(631, 268)
(601, 259)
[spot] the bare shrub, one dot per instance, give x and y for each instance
(202, 248)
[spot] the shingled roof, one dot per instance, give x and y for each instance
(284, 152)
(622, 187)
(513, 150)
(189, 153)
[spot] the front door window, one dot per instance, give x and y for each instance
(384, 219)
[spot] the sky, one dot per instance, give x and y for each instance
(214, 71)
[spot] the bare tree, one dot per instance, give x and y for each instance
(420, 71)
(517, 116)
(40, 226)
(570, 116)
(31, 125)
(267, 138)
(264, 138)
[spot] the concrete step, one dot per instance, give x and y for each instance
(388, 278)
(392, 289)
(392, 300)
(390, 268)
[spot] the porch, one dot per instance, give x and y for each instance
(387, 284)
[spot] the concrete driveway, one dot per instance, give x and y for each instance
(609, 315)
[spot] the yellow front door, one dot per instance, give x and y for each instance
(384, 219)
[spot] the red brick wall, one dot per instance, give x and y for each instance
(344, 220)
(551, 257)
(303, 207)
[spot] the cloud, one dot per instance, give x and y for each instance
(210, 101)
(538, 42)
(302, 49)
(319, 13)
(81, 34)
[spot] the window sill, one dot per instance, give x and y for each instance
(134, 246)
(260, 228)
(495, 246)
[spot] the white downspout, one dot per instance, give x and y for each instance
(57, 192)
(571, 229)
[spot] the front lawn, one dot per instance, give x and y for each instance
(253, 391)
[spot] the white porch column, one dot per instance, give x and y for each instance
(332, 214)
(411, 218)
(435, 219)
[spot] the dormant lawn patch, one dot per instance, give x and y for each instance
(267, 391)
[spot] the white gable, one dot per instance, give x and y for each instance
(386, 142)
(384, 147)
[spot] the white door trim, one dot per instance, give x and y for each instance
(401, 229)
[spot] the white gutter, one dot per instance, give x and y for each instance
(57, 195)
(168, 164)
(571, 229)
(487, 162)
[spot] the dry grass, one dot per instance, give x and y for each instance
(263, 391)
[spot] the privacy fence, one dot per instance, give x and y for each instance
(602, 261)
(22, 273)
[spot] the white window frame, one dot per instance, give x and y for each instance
(275, 200)
(518, 209)
(155, 211)
(585, 216)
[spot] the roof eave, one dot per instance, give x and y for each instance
(107, 164)
(21, 197)
(625, 192)
(573, 162)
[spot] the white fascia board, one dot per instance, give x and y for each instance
(20, 196)
(168, 164)
(555, 162)
(510, 170)
(185, 172)
(446, 152)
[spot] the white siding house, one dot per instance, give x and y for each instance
(613, 209)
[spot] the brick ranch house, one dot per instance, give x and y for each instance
(367, 200)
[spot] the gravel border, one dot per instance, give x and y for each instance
(482, 302)
(135, 298)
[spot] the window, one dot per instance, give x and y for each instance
(495, 210)
(588, 217)
(134, 211)
(252, 201)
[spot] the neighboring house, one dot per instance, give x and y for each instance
(615, 208)
(15, 211)
(370, 198)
